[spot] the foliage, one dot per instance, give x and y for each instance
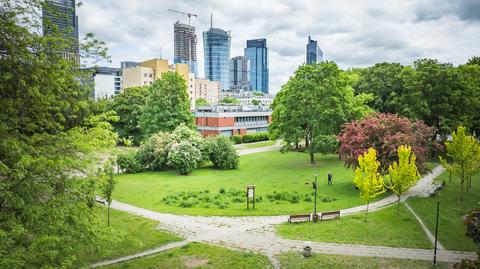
(255, 102)
(236, 139)
(261, 136)
(367, 178)
(167, 105)
(128, 106)
(298, 114)
(385, 133)
(229, 100)
(50, 131)
(402, 174)
(463, 151)
(257, 93)
(129, 163)
(105, 176)
(184, 157)
(221, 152)
(474, 60)
(153, 152)
(201, 102)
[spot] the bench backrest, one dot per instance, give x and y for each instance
(300, 216)
(329, 213)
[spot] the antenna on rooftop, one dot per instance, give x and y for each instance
(211, 20)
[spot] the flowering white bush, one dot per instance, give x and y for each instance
(184, 157)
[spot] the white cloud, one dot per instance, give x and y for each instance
(351, 33)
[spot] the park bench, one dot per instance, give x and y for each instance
(299, 218)
(330, 215)
(101, 201)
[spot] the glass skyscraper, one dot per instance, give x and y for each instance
(59, 15)
(239, 73)
(257, 53)
(216, 44)
(314, 53)
(185, 46)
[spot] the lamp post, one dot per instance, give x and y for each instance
(436, 236)
(315, 198)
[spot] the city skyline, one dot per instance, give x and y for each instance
(351, 34)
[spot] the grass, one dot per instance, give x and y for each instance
(451, 228)
(258, 144)
(292, 260)
(130, 233)
(269, 171)
(202, 255)
(383, 228)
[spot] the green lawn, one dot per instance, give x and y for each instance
(451, 228)
(292, 260)
(258, 144)
(130, 233)
(197, 255)
(383, 228)
(275, 175)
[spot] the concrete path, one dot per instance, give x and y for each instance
(257, 233)
(277, 146)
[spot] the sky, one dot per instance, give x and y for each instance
(351, 33)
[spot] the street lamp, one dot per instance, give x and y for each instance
(315, 198)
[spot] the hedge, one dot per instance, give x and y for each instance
(249, 138)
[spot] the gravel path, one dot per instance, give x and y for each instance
(257, 233)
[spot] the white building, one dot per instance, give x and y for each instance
(107, 82)
(208, 90)
(248, 97)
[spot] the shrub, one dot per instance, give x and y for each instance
(184, 157)
(129, 163)
(221, 153)
(221, 191)
(236, 139)
(262, 136)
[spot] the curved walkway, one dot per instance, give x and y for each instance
(257, 233)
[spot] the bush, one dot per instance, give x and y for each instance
(153, 153)
(262, 136)
(184, 157)
(221, 191)
(221, 153)
(236, 139)
(129, 162)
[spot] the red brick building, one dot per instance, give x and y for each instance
(232, 120)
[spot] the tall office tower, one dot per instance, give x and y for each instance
(216, 45)
(314, 53)
(239, 74)
(257, 53)
(185, 46)
(58, 16)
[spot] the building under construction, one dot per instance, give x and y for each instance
(185, 46)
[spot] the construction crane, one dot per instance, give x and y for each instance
(184, 13)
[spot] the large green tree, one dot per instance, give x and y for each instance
(48, 135)
(167, 105)
(128, 106)
(313, 104)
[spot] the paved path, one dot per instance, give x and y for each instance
(258, 233)
(277, 146)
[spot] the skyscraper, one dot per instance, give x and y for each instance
(216, 44)
(239, 73)
(257, 53)
(314, 53)
(58, 16)
(185, 46)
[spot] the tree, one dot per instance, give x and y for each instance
(49, 135)
(468, 115)
(462, 151)
(367, 178)
(128, 106)
(229, 100)
(315, 102)
(402, 174)
(221, 152)
(474, 60)
(108, 185)
(184, 157)
(167, 105)
(256, 102)
(201, 102)
(472, 221)
(385, 133)
(384, 81)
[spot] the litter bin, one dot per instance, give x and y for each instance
(307, 250)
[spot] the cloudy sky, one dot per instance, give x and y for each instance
(351, 33)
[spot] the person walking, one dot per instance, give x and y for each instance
(330, 175)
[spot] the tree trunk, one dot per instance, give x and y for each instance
(366, 212)
(450, 180)
(470, 180)
(398, 205)
(307, 144)
(108, 216)
(461, 190)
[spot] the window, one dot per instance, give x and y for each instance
(144, 75)
(150, 75)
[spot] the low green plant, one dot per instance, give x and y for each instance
(129, 162)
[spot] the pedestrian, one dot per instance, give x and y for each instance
(330, 175)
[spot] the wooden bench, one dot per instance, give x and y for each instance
(299, 218)
(330, 214)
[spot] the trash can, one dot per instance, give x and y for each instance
(307, 250)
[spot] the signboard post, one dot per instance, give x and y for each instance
(250, 196)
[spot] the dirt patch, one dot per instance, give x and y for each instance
(193, 262)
